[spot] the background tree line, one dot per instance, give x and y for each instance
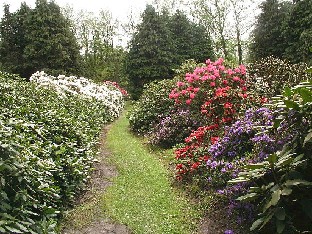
(59, 40)
(284, 30)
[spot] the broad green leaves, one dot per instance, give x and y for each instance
(283, 179)
(47, 147)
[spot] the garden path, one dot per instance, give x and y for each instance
(88, 217)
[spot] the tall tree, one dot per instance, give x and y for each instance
(268, 35)
(41, 40)
(151, 51)
(96, 35)
(238, 12)
(13, 40)
(228, 23)
(214, 15)
(192, 41)
(52, 45)
(299, 32)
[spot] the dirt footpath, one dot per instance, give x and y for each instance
(88, 208)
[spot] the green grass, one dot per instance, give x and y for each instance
(142, 196)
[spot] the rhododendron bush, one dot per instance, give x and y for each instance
(48, 144)
(108, 93)
(155, 114)
(264, 151)
(219, 94)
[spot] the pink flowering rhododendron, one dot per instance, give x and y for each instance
(219, 94)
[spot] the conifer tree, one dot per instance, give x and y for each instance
(38, 39)
(299, 32)
(268, 36)
(151, 51)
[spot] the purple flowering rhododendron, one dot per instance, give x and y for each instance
(233, 150)
(248, 140)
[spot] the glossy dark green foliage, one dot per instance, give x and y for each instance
(47, 147)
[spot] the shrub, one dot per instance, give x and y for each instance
(116, 85)
(153, 103)
(109, 95)
(219, 94)
(47, 147)
(174, 128)
(269, 76)
(282, 181)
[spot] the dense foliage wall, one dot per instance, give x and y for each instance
(283, 29)
(49, 130)
(247, 139)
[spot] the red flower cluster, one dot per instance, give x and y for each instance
(219, 90)
(189, 157)
(116, 85)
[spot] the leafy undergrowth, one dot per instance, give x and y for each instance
(48, 143)
(141, 196)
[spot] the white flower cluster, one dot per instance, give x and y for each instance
(109, 95)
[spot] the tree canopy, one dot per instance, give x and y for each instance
(162, 42)
(38, 39)
(284, 30)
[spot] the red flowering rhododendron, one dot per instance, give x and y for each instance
(219, 94)
(116, 85)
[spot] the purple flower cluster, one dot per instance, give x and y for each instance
(228, 232)
(233, 150)
(249, 140)
(237, 139)
(267, 141)
(173, 128)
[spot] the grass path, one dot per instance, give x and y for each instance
(141, 195)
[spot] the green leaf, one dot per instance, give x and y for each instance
(256, 224)
(254, 189)
(277, 123)
(280, 213)
(267, 218)
(280, 226)
(306, 95)
(284, 162)
(286, 191)
(248, 197)
(287, 92)
(275, 197)
(307, 138)
(13, 230)
(22, 227)
(309, 70)
(239, 180)
(297, 182)
(291, 105)
(2, 230)
(255, 166)
(272, 158)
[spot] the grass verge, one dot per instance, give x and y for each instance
(142, 196)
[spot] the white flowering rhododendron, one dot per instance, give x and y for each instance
(109, 95)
